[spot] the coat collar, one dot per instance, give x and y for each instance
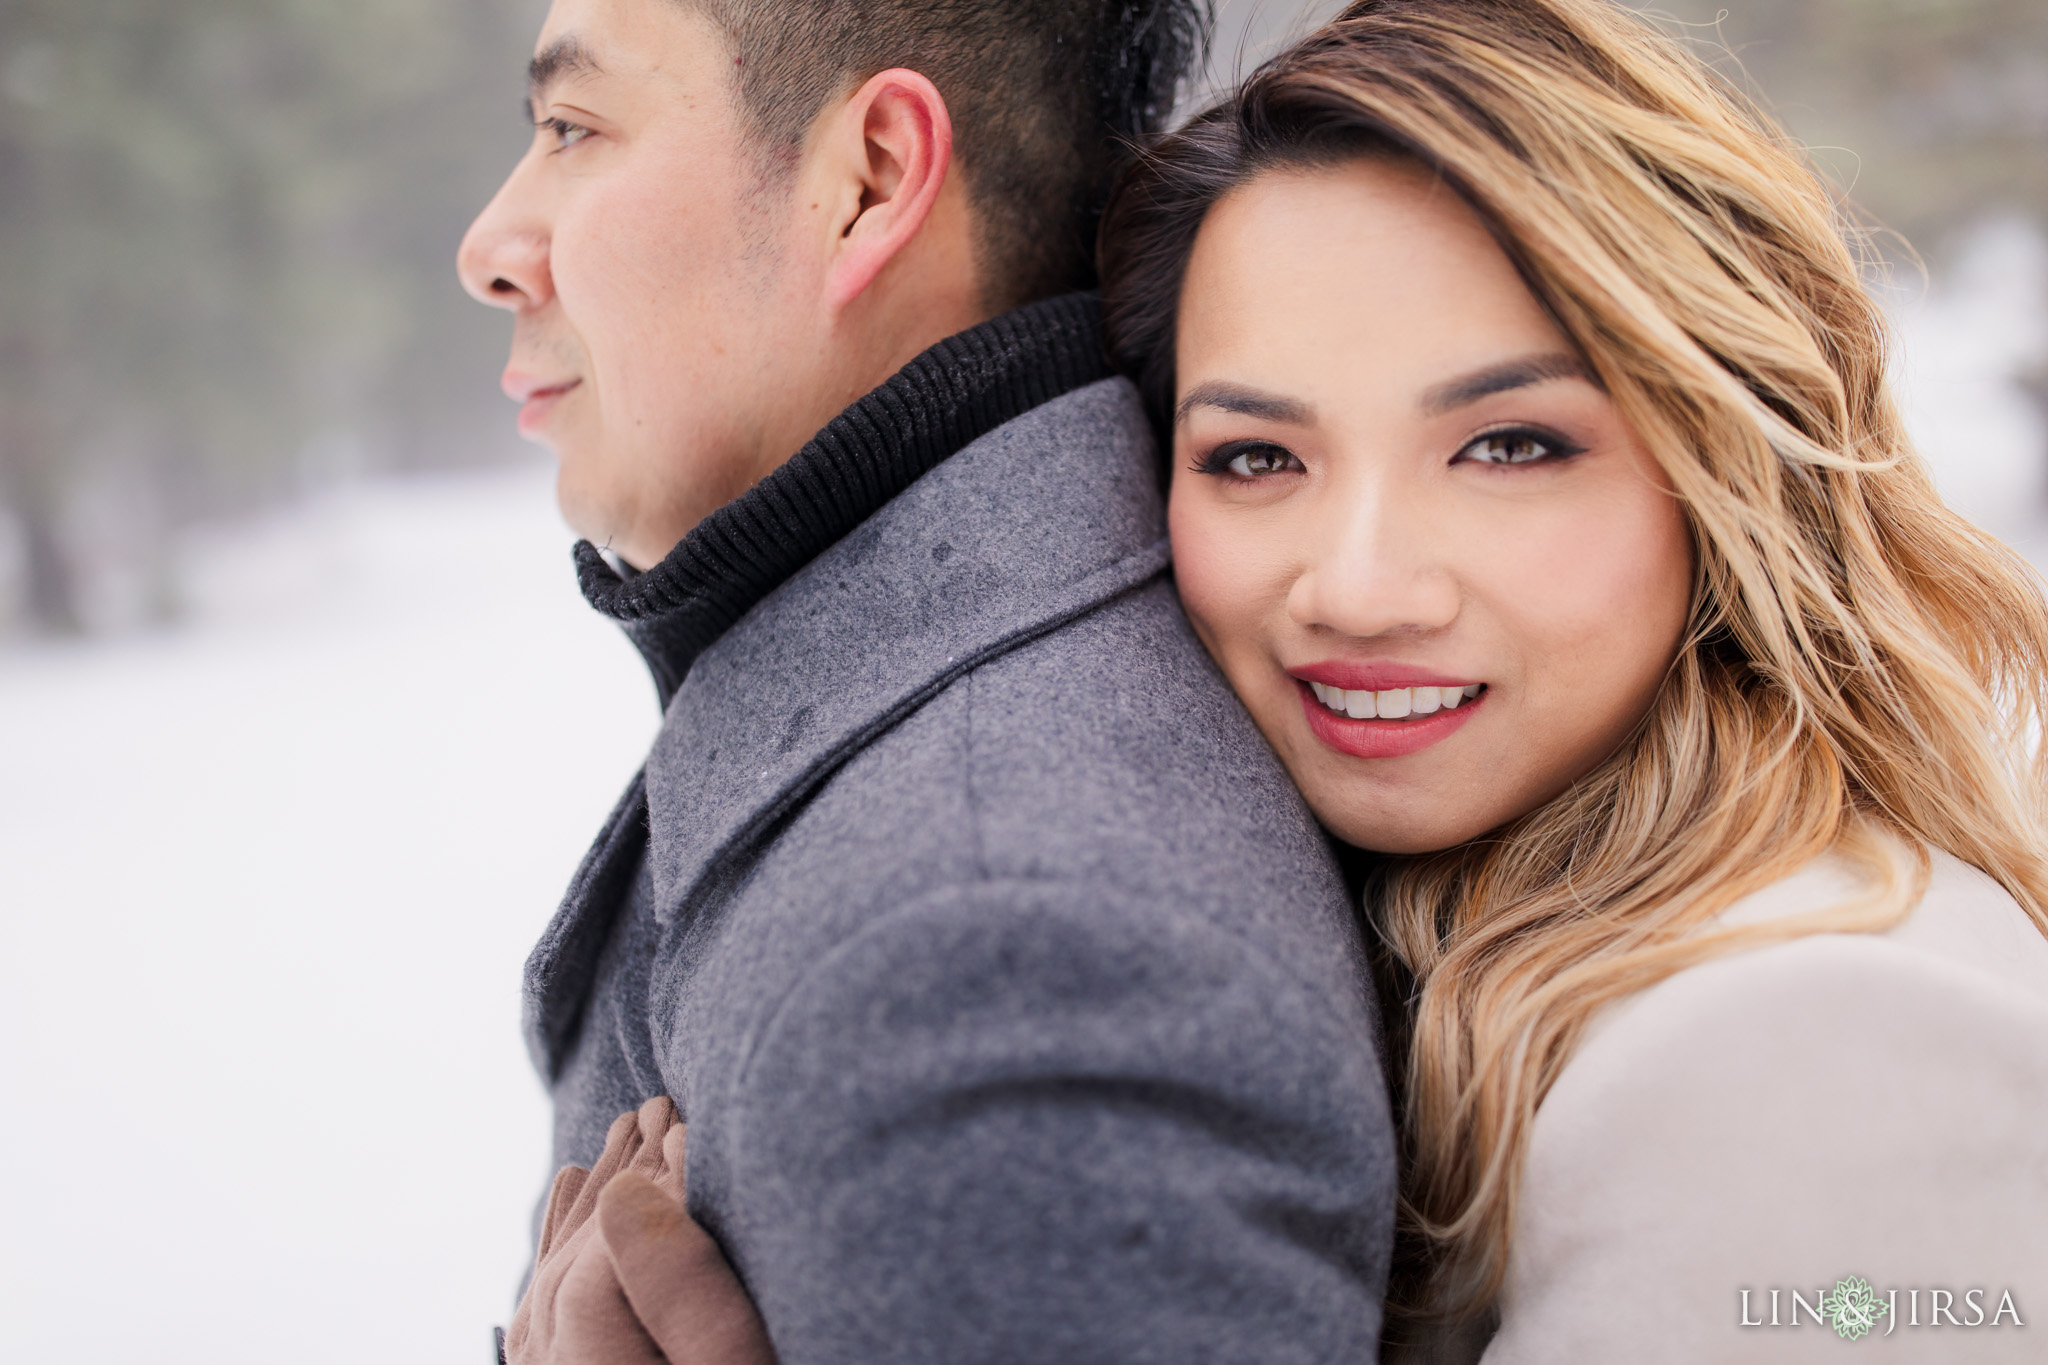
(1028, 527)
(958, 390)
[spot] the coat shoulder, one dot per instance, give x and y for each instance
(1113, 752)
(1785, 1115)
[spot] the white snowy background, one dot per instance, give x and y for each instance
(267, 879)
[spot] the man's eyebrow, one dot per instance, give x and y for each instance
(1248, 402)
(563, 57)
(1515, 374)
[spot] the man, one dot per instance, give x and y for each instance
(1008, 991)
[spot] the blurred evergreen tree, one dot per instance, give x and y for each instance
(1933, 114)
(227, 237)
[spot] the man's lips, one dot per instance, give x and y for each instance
(520, 385)
(536, 397)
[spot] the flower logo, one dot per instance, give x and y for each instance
(1853, 1308)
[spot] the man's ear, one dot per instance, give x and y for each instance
(895, 147)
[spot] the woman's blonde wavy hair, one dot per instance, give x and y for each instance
(1863, 671)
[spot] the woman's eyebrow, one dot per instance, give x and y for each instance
(1247, 402)
(1514, 374)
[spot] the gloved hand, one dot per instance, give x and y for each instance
(624, 1275)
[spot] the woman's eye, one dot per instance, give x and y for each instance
(1250, 460)
(1516, 447)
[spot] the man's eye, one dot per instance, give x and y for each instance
(1517, 447)
(1249, 460)
(567, 134)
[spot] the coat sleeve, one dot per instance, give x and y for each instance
(1784, 1119)
(1037, 1122)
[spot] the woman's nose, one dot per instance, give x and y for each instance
(1376, 568)
(503, 260)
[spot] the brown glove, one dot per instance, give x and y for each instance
(624, 1276)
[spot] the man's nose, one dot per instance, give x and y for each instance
(503, 260)
(1376, 567)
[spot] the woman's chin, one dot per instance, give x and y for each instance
(1396, 827)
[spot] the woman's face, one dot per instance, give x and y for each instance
(1441, 571)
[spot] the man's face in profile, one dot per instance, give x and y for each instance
(638, 248)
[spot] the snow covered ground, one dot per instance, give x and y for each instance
(266, 883)
(267, 879)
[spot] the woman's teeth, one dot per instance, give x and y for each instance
(1395, 703)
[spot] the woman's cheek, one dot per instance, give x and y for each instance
(1198, 563)
(1597, 602)
(1636, 592)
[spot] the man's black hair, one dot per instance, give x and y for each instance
(1047, 97)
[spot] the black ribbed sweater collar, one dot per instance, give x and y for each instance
(964, 387)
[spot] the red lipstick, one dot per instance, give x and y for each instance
(1353, 677)
(1375, 737)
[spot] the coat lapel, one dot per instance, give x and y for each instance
(1022, 530)
(563, 965)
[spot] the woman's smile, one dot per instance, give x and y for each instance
(1382, 711)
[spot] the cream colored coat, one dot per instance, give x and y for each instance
(1782, 1118)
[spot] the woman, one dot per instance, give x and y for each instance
(1535, 483)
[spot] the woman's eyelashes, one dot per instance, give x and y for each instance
(1517, 446)
(1248, 460)
(1505, 447)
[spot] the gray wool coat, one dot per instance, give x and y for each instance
(1009, 991)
